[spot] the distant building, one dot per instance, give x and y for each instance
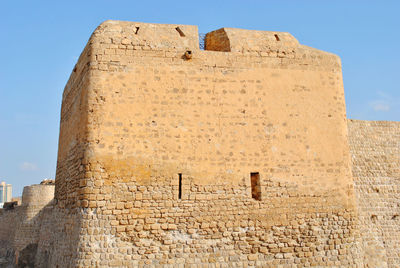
(2, 188)
(8, 193)
(5, 193)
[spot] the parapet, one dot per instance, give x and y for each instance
(147, 35)
(173, 36)
(37, 195)
(239, 40)
(115, 42)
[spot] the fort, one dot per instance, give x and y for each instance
(236, 155)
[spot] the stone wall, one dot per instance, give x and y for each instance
(237, 155)
(8, 220)
(375, 150)
(169, 143)
(250, 41)
(20, 227)
(215, 118)
(73, 129)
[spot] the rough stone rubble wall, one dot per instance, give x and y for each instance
(21, 226)
(8, 220)
(375, 150)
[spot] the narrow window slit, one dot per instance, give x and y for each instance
(255, 186)
(137, 30)
(277, 37)
(180, 32)
(180, 186)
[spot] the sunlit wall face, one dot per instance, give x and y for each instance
(1, 193)
(8, 193)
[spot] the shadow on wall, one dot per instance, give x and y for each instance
(27, 256)
(7, 255)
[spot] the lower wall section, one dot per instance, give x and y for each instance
(318, 239)
(46, 237)
(59, 238)
(218, 224)
(8, 219)
(375, 150)
(148, 225)
(184, 233)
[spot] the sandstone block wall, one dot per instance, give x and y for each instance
(375, 150)
(251, 42)
(73, 128)
(34, 199)
(157, 150)
(233, 156)
(216, 117)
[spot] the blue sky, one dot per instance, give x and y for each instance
(40, 42)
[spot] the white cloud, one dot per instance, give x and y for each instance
(380, 106)
(383, 102)
(28, 166)
(383, 95)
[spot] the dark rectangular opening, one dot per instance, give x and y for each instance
(255, 185)
(137, 30)
(277, 37)
(180, 186)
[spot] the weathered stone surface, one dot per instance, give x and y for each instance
(375, 150)
(158, 152)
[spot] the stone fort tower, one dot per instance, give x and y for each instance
(233, 154)
(239, 155)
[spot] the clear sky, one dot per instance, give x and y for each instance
(40, 41)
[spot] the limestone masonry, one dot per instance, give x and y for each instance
(239, 155)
